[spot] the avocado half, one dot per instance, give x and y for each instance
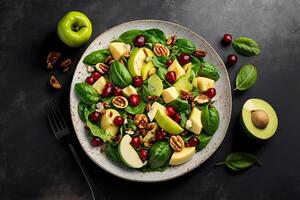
(268, 119)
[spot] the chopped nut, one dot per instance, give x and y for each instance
(152, 98)
(160, 50)
(176, 142)
(148, 144)
(55, 83)
(120, 102)
(142, 132)
(152, 71)
(202, 99)
(127, 54)
(65, 65)
(125, 121)
(152, 127)
(105, 104)
(90, 69)
(171, 40)
(199, 53)
(108, 59)
(148, 106)
(141, 120)
(52, 59)
(101, 68)
(130, 132)
(184, 95)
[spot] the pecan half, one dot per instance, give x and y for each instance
(152, 98)
(142, 132)
(152, 127)
(65, 65)
(141, 120)
(199, 53)
(52, 59)
(186, 95)
(120, 102)
(176, 143)
(161, 50)
(101, 68)
(202, 99)
(108, 59)
(54, 83)
(171, 40)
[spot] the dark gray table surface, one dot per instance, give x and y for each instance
(33, 165)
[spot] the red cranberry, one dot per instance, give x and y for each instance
(160, 135)
(90, 80)
(95, 116)
(117, 91)
(136, 142)
(227, 38)
(96, 141)
(118, 121)
(171, 76)
(232, 59)
(193, 141)
(144, 154)
(177, 118)
(116, 138)
(96, 75)
(169, 62)
(184, 58)
(171, 111)
(107, 90)
(140, 41)
(134, 100)
(210, 93)
(137, 81)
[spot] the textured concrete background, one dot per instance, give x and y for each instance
(34, 166)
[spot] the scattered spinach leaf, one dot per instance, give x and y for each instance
(246, 77)
(246, 46)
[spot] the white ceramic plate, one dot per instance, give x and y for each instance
(223, 103)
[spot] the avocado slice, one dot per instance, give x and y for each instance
(166, 123)
(259, 119)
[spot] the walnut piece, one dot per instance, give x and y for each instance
(101, 68)
(199, 53)
(202, 99)
(119, 102)
(52, 59)
(160, 50)
(65, 65)
(184, 95)
(141, 120)
(152, 98)
(54, 83)
(171, 40)
(176, 143)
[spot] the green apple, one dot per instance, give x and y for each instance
(107, 122)
(167, 123)
(74, 29)
(136, 63)
(182, 156)
(155, 85)
(127, 153)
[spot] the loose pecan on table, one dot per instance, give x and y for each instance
(65, 65)
(52, 59)
(54, 83)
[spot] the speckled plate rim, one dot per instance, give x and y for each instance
(172, 172)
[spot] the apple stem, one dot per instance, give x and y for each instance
(76, 28)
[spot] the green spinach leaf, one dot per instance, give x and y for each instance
(145, 91)
(180, 105)
(240, 160)
(204, 140)
(97, 131)
(113, 153)
(246, 46)
(246, 77)
(157, 33)
(210, 119)
(84, 110)
(86, 93)
(131, 125)
(96, 57)
(137, 109)
(208, 70)
(185, 46)
(159, 153)
(119, 74)
(128, 36)
(196, 64)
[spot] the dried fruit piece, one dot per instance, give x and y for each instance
(52, 59)
(54, 83)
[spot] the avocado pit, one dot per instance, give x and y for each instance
(260, 118)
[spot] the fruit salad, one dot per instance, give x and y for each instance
(148, 100)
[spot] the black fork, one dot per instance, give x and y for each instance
(62, 133)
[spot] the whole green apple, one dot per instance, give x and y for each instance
(74, 29)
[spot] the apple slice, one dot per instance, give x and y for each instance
(127, 153)
(136, 62)
(147, 65)
(182, 156)
(167, 123)
(155, 85)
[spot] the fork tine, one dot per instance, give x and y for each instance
(60, 116)
(50, 119)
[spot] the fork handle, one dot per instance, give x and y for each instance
(97, 194)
